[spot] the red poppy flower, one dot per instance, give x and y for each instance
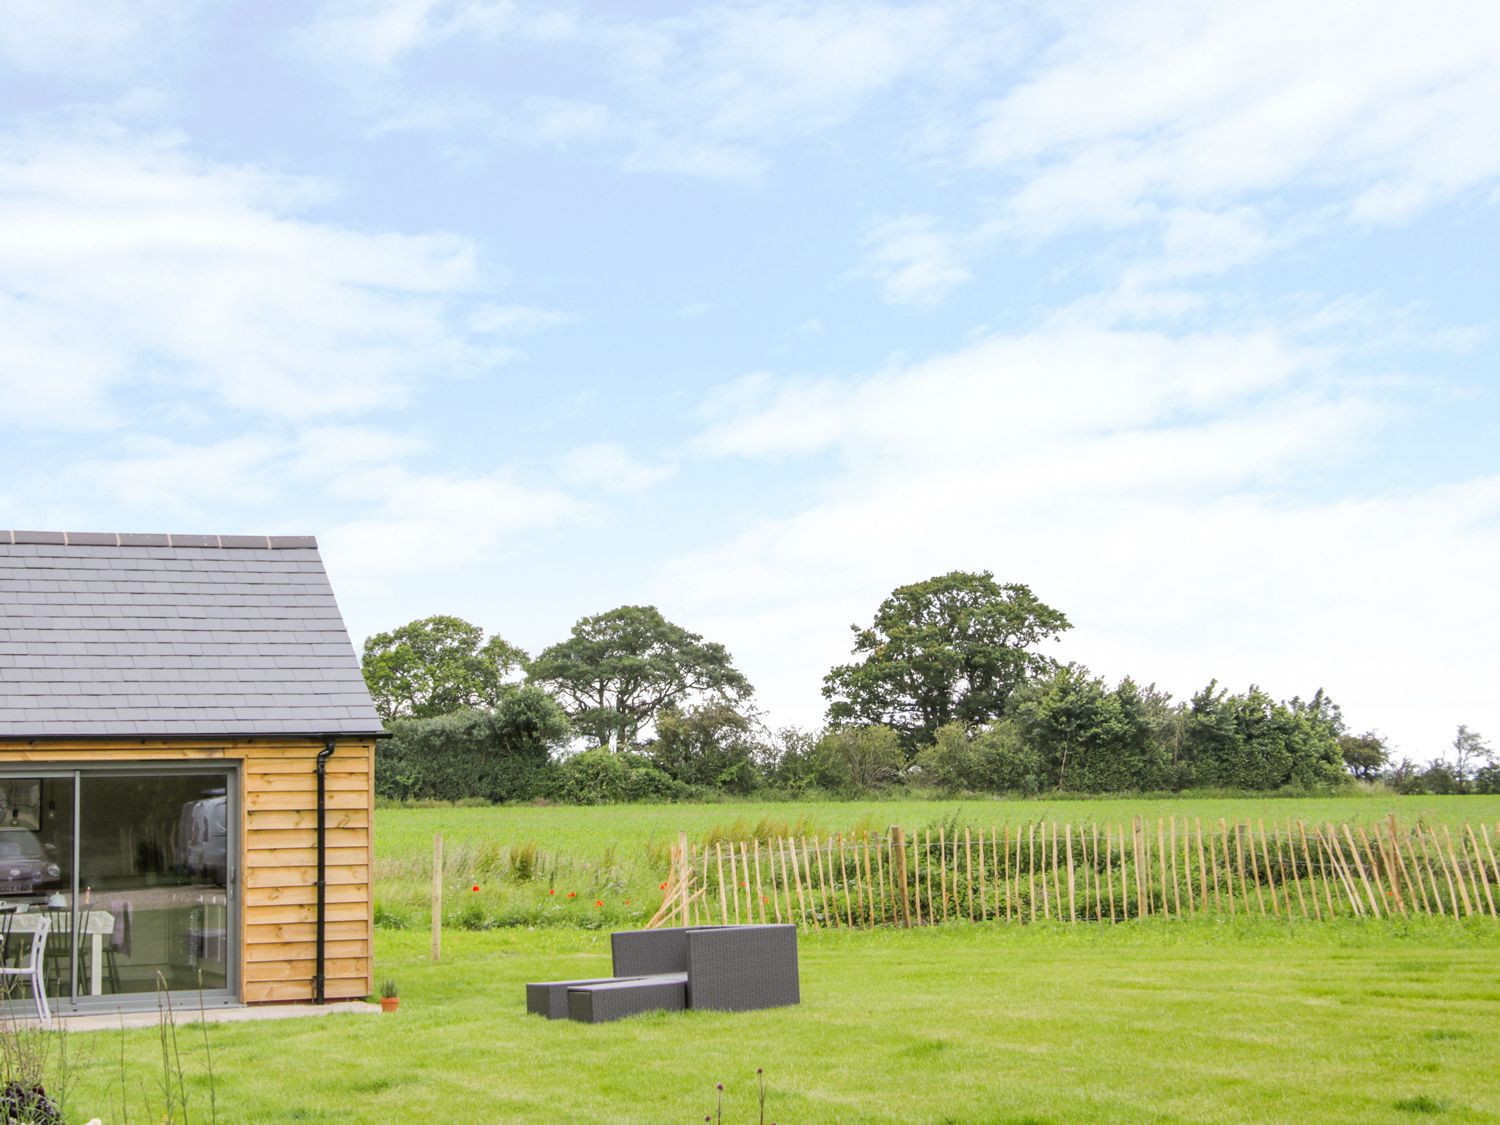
(663, 886)
(551, 890)
(475, 887)
(572, 894)
(598, 902)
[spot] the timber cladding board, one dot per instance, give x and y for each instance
(278, 852)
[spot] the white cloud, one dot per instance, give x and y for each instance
(426, 524)
(515, 320)
(173, 477)
(1150, 486)
(87, 38)
(610, 467)
(1143, 107)
(127, 261)
(703, 93)
(380, 33)
(914, 261)
(1005, 395)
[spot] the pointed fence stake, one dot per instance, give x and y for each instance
(898, 843)
(1458, 874)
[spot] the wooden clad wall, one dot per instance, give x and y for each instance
(278, 856)
(280, 872)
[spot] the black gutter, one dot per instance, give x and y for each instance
(323, 756)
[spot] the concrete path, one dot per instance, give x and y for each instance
(115, 1020)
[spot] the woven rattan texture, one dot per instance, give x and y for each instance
(739, 969)
(550, 998)
(613, 1000)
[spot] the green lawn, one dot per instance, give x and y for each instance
(617, 853)
(1197, 1021)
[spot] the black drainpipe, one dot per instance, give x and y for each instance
(323, 756)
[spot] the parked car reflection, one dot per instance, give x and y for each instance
(27, 869)
(203, 837)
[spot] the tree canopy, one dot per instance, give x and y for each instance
(619, 669)
(950, 649)
(437, 666)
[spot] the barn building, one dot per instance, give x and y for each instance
(186, 770)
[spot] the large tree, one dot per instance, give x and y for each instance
(436, 666)
(1471, 753)
(619, 669)
(1365, 755)
(950, 649)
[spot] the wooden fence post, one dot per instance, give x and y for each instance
(984, 904)
(844, 881)
(968, 871)
(1109, 869)
(1477, 869)
(1437, 890)
(788, 878)
(1176, 884)
(1051, 873)
(1009, 897)
(1124, 880)
(1458, 874)
(1137, 842)
(1202, 870)
(1072, 902)
(1387, 864)
(1265, 854)
(1485, 831)
(437, 897)
(1031, 868)
(683, 875)
(1358, 866)
(1337, 857)
(1413, 870)
(943, 870)
(898, 843)
(1098, 890)
(1260, 895)
(1161, 859)
(1291, 847)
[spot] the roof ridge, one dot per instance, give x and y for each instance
(131, 539)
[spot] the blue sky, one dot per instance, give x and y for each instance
(1184, 315)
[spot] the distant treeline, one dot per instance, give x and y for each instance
(948, 693)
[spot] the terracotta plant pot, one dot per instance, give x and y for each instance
(389, 1003)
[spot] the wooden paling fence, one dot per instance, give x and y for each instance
(1174, 868)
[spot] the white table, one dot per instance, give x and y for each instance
(94, 923)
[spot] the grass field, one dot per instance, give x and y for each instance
(1242, 1020)
(617, 854)
(1180, 1022)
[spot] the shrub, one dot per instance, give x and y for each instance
(858, 759)
(992, 759)
(482, 756)
(602, 776)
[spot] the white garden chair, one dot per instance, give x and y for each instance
(31, 966)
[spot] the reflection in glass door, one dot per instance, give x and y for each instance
(37, 818)
(153, 854)
(134, 870)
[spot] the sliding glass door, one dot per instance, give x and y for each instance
(134, 868)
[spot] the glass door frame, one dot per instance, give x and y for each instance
(77, 771)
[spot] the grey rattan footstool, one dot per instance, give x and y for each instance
(550, 998)
(613, 1000)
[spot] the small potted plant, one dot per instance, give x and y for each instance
(390, 997)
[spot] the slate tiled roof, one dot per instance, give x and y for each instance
(106, 635)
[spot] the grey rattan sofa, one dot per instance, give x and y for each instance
(718, 968)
